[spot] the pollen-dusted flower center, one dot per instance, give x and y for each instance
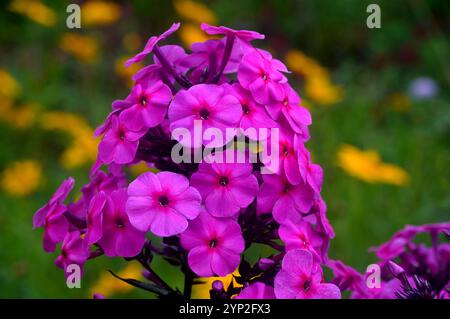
(285, 102)
(285, 150)
(245, 109)
(264, 76)
(119, 222)
(204, 114)
(143, 100)
(212, 243)
(163, 200)
(223, 181)
(306, 285)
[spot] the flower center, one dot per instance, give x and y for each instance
(163, 200)
(213, 243)
(204, 114)
(121, 135)
(245, 109)
(119, 222)
(306, 285)
(143, 100)
(223, 181)
(286, 188)
(286, 102)
(285, 150)
(264, 76)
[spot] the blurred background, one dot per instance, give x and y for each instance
(379, 99)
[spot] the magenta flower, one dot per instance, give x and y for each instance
(94, 219)
(301, 278)
(151, 44)
(258, 290)
(301, 235)
(225, 188)
(207, 103)
(51, 217)
(214, 245)
(120, 237)
(244, 35)
(312, 174)
(149, 106)
(261, 75)
(284, 200)
(254, 115)
(119, 144)
(288, 157)
(102, 182)
(297, 116)
(72, 251)
(162, 203)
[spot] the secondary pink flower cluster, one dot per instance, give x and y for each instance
(208, 214)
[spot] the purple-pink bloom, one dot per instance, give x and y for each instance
(300, 235)
(225, 187)
(284, 200)
(312, 174)
(162, 203)
(120, 237)
(72, 252)
(151, 44)
(245, 35)
(208, 103)
(51, 217)
(149, 106)
(261, 75)
(301, 278)
(214, 245)
(94, 219)
(119, 144)
(258, 290)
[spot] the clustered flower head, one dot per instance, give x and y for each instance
(206, 213)
(409, 270)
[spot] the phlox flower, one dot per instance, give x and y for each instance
(225, 187)
(214, 245)
(301, 278)
(94, 219)
(119, 144)
(208, 103)
(120, 237)
(149, 106)
(162, 203)
(72, 251)
(261, 75)
(51, 217)
(312, 174)
(284, 200)
(242, 36)
(151, 44)
(300, 235)
(257, 290)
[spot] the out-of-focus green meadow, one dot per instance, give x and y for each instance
(57, 84)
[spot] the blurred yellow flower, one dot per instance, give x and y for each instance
(126, 73)
(9, 88)
(320, 90)
(318, 83)
(191, 33)
(399, 102)
(83, 47)
(367, 166)
(21, 117)
(194, 11)
(21, 178)
(201, 291)
(35, 10)
(108, 285)
(83, 149)
(98, 13)
(141, 168)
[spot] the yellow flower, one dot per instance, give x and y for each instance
(83, 47)
(299, 63)
(35, 10)
(194, 11)
(9, 88)
(191, 33)
(320, 90)
(22, 177)
(142, 168)
(83, 149)
(108, 285)
(126, 73)
(201, 291)
(98, 13)
(367, 166)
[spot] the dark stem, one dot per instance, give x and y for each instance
(155, 277)
(169, 69)
(188, 281)
(226, 56)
